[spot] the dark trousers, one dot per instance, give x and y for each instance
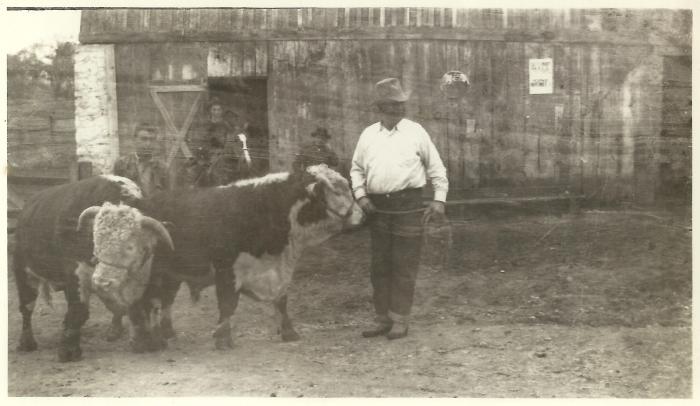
(396, 248)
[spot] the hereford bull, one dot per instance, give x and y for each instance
(52, 250)
(246, 237)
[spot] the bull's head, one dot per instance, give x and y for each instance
(330, 193)
(124, 241)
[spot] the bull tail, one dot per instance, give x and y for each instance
(195, 292)
(27, 281)
(45, 290)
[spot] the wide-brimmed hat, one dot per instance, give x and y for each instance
(390, 89)
(321, 132)
(214, 101)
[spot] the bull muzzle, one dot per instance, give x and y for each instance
(107, 282)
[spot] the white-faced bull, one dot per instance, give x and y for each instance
(125, 242)
(247, 237)
(51, 251)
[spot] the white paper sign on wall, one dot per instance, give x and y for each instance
(541, 76)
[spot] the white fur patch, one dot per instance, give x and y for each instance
(267, 277)
(269, 178)
(129, 188)
(114, 225)
(84, 273)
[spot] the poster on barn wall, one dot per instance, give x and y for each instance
(541, 76)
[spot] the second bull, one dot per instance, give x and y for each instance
(247, 237)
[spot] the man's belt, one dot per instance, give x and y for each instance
(399, 194)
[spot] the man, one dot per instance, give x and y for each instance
(217, 161)
(389, 168)
(143, 166)
(316, 152)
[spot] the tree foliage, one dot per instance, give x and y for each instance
(28, 72)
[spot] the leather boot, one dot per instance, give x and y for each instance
(381, 326)
(398, 330)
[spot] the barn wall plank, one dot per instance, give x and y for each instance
(590, 134)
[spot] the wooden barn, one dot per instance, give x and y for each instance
(593, 102)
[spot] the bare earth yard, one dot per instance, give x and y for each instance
(590, 305)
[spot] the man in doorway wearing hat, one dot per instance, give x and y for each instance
(316, 152)
(389, 168)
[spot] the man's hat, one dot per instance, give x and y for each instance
(390, 89)
(215, 101)
(321, 132)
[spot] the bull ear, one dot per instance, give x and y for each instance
(87, 214)
(158, 228)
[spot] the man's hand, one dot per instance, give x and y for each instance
(434, 209)
(366, 205)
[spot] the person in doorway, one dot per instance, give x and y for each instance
(144, 166)
(219, 158)
(391, 162)
(316, 152)
(216, 127)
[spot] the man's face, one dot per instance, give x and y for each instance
(217, 113)
(145, 142)
(391, 112)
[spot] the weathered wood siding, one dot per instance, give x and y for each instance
(598, 133)
(231, 24)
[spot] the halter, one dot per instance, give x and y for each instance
(341, 216)
(95, 259)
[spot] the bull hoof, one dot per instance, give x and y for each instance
(114, 332)
(223, 343)
(147, 344)
(27, 344)
(138, 345)
(70, 354)
(158, 341)
(289, 335)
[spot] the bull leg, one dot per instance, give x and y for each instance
(116, 328)
(145, 320)
(27, 300)
(227, 298)
(286, 329)
(139, 337)
(75, 317)
(84, 273)
(168, 293)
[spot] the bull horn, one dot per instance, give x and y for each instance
(159, 229)
(88, 213)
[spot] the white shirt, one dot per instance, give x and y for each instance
(387, 161)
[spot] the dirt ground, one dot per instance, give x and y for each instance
(591, 305)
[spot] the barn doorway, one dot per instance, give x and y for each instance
(244, 100)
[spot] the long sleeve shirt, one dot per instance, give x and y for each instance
(387, 161)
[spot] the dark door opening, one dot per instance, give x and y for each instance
(244, 100)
